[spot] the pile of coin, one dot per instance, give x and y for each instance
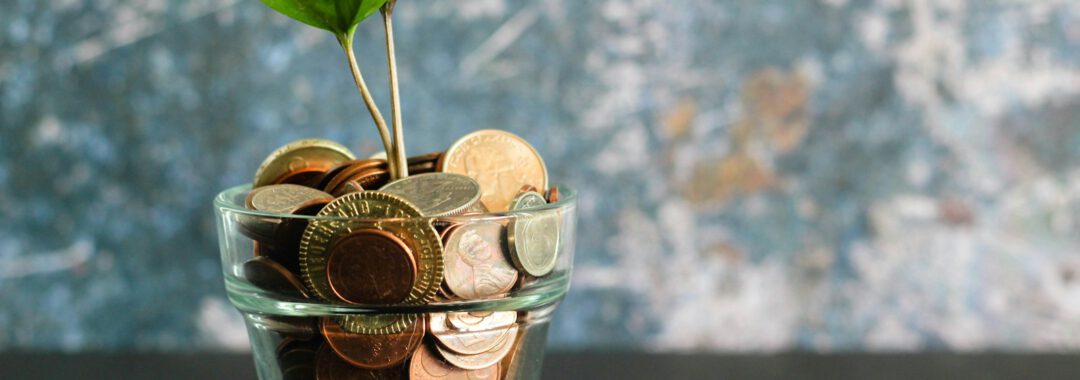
(374, 241)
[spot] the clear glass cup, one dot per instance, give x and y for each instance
(487, 336)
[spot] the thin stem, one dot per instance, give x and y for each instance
(380, 123)
(395, 99)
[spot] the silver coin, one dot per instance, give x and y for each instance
(437, 194)
(533, 237)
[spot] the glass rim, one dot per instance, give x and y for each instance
(225, 201)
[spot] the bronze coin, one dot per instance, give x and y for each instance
(431, 158)
(426, 163)
(328, 366)
(273, 277)
(553, 195)
(427, 365)
(371, 178)
(373, 351)
(474, 261)
(348, 187)
(293, 353)
(299, 373)
(324, 181)
(288, 258)
(307, 177)
(371, 266)
(351, 171)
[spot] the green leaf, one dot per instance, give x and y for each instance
(337, 16)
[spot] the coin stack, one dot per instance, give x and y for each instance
(373, 241)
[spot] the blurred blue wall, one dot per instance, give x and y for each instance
(755, 175)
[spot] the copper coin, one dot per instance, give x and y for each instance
(307, 177)
(333, 172)
(370, 266)
(426, 158)
(373, 351)
(328, 366)
(273, 277)
(258, 227)
(349, 187)
(427, 365)
(294, 354)
(407, 224)
(352, 170)
(371, 178)
(470, 339)
(485, 359)
(426, 163)
(474, 263)
(288, 258)
(300, 156)
(528, 189)
(303, 328)
(553, 194)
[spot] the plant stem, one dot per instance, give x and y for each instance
(346, 43)
(395, 99)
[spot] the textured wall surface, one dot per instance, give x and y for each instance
(755, 175)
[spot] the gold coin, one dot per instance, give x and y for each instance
(500, 161)
(387, 212)
(308, 155)
(533, 237)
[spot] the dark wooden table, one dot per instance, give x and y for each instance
(586, 365)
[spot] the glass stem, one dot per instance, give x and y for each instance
(346, 43)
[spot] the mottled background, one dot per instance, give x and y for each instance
(755, 175)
